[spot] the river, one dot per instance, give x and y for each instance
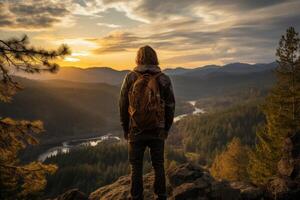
(66, 146)
(195, 111)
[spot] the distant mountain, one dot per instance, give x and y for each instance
(115, 77)
(176, 71)
(88, 75)
(187, 71)
(233, 68)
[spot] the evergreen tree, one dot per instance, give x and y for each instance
(17, 180)
(231, 164)
(282, 110)
(208, 134)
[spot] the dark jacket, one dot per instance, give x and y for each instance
(166, 93)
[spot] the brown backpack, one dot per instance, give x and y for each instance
(146, 108)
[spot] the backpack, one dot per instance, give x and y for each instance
(146, 108)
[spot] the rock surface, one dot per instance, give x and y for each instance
(121, 189)
(185, 182)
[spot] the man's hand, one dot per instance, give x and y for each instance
(163, 134)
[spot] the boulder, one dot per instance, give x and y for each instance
(184, 173)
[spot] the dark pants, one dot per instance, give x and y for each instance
(136, 154)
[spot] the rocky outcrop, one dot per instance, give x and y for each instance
(121, 189)
(192, 182)
(286, 185)
(185, 182)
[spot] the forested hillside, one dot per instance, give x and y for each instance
(68, 109)
(208, 134)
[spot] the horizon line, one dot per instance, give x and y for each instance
(167, 67)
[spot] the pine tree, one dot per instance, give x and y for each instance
(17, 180)
(231, 164)
(282, 110)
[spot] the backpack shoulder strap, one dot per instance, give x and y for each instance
(157, 75)
(137, 73)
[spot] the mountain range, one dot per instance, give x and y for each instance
(234, 68)
(115, 77)
(81, 102)
(88, 75)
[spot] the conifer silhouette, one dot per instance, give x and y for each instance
(17, 180)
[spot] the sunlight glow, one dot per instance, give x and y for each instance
(184, 33)
(71, 59)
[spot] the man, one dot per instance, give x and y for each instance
(147, 107)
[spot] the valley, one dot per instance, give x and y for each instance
(78, 109)
(87, 108)
(67, 146)
(82, 133)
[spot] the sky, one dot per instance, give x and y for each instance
(185, 33)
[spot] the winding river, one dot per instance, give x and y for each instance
(195, 111)
(66, 146)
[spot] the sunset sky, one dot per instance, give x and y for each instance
(187, 33)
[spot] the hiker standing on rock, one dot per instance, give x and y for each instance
(147, 107)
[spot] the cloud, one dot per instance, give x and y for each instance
(188, 31)
(109, 25)
(151, 10)
(31, 14)
(38, 8)
(245, 4)
(119, 41)
(116, 42)
(251, 37)
(189, 58)
(5, 16)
